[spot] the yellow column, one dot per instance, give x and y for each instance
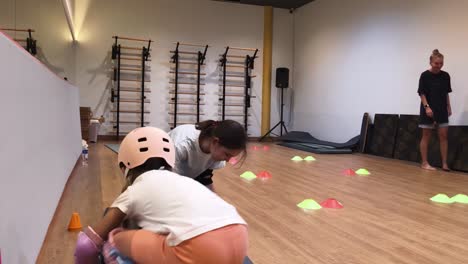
(267, 58)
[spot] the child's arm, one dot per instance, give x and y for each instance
(90, 241)
(113, 218)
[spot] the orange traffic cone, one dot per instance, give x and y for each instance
(75, 223)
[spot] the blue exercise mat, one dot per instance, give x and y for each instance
(247, 261)
(304, 147)
(114, 147)
(304, 137)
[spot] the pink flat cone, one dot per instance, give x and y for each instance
(264, 175)
(349, 172)
(233, 161)
(331, 203)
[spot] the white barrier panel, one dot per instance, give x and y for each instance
(40, 142)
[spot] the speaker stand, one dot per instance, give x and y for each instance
(280, 123)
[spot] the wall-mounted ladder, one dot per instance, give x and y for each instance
(130, 77)
(239, 76)
(186, 86)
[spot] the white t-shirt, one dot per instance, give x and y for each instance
(191, 161)
(179, 207)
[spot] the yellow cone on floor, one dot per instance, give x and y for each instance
(309, 204)
(362, 172)
(75, 222)
(309, 158)
(248, 175)
(460, 198)
(442, 198)
(297, 158)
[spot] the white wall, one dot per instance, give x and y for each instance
(283, 56)
(7, 13)
(47, 18)
(164, 21)
(87, 63)
(362, 56)
(40, 146)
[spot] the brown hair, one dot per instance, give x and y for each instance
(230, 133)
(435, 54)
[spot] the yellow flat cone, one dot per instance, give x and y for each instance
(297, 158)
(442, 198)
(362, 172)
(248, 175)
(309, 204)
(309, 158)
(460, 198)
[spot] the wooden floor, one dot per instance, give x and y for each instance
(387, 216)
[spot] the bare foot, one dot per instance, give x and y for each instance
(445, 167)
(426, 166)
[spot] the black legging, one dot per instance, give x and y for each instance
(205, 177)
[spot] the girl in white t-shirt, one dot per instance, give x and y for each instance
(206, 146)
(181, 220)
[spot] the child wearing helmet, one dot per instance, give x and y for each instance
(182, 221)
(206, 146)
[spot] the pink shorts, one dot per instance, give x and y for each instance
(226, 245)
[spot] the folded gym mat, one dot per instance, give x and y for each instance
(302, 146)
(407, 141)
(363, 138)
(304, 137)
(384, 135)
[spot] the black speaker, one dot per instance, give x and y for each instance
(282, 78)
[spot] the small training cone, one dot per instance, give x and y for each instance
(362, 172)
(233, 161)
(349, 172)
(441, 198)
(309, 158)
(297, 158)
(331, 203)
(255, 148)
(264, 175)
(460, 198)
(266, 148)
(248, 175)
(309, 204)
(75, 223)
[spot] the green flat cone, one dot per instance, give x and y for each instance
(248, 175)
(460, 198)
(309, 158)
(441, 198)
(362, 172)
(297, 158)
(309, 204)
